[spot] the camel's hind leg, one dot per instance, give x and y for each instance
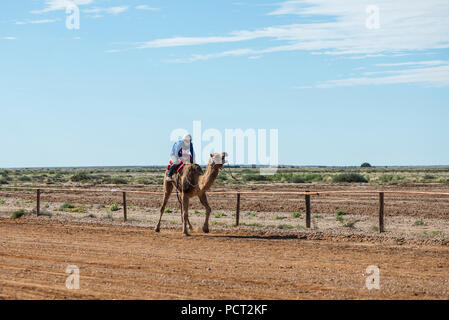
(168, 188)
(205, 203)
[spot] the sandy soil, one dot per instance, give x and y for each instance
(270, 256)
(127, 262)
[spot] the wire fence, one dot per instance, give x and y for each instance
(306, 194)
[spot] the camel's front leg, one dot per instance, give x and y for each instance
(185, 212)
(205, 203)
(168, 188)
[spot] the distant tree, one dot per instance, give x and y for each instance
(365, 165)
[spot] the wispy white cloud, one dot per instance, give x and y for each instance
(55, 5)
(110, 10)
(338, 28)
(36, 21)
(427, 73)
(146, 8)
(9, 38)
(404, 26)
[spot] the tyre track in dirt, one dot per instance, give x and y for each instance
(122, 262)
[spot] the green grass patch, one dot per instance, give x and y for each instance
(17, 214)
(219, 215)
(434, 233)
(340, 213)
(114, 207)
(279, 218)
(419, 223)
(2, 201)
(318, 216)
(251, 214)
(67, 207)
(296, 214)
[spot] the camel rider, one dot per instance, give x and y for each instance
(181, 152)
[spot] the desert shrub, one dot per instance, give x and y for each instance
(2, 201)
(297, 179)
(219, 215)
(144, 181)
(119, 180)
(66, 206)
(17, 214)
(81, 177)
(256, 177)
(3, 181)
(340, 213)
(419, 223)
(349, 178)
(296, 214)
(386, 178)
(114, 207)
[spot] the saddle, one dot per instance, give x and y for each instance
(179, 168)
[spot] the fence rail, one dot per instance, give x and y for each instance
(307, 195)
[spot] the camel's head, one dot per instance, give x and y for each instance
(218, 159)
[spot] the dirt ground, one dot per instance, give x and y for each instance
(270, 256)
(129, 262)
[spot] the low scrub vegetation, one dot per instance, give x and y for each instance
(296, 214)
(114, 207)
(17, 214)
(350, 178)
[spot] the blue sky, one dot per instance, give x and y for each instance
(339, 91)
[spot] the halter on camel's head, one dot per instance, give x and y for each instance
(218, 159)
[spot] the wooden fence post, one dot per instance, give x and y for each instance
(237, 211)
(38, 202)
(381, 212)
(308, 210)
(125, 213)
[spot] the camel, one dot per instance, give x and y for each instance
(192, 182)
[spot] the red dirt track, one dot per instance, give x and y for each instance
(124, 262)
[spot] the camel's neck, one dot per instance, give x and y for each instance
(207, 180)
